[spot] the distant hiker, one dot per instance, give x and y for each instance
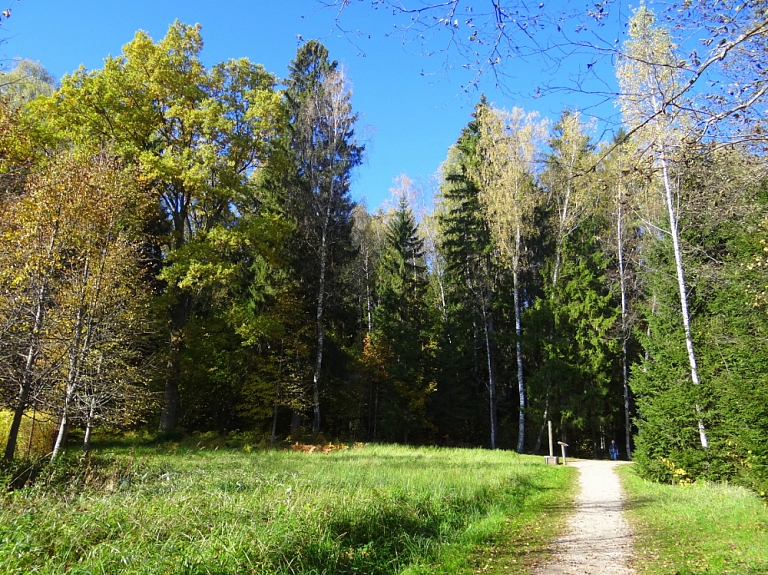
(613, 450)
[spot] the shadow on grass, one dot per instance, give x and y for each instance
(398, 530)
(633, 503)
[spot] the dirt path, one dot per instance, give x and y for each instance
(598, 541)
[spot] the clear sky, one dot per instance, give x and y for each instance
(411, 108)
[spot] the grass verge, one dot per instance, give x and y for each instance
(516, 542)
(178, 509)
(695, 529)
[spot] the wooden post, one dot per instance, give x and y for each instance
(551, 460)
(551, 448)
(562, 448)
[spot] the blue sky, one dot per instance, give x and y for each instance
(411, 108)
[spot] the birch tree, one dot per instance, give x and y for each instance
(72, 273)
(566, 179)
(31, 257)
(648, 79)
(507, 146)
(623, 181)
(25, 82)
(101, 295)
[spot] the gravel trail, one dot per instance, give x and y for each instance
(598, 540)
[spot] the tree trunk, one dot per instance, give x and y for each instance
(80, 345)
(624, 320)
(31, 437)
(31, 357)
(21, 405)
(26, 388)
(320, 328)
(545, 419)
(171, 392)
(274, 424)
(683, 293)
(488, 319)
(89, 427)
(295, 421)
(368, 299)
(61, 437)
(518, 346)
(320, 318)
(179, 317)
(170, 398)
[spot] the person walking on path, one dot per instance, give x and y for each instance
(613, 450)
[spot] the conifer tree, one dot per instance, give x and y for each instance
(317, 155)
(471, 276)
(401, 335)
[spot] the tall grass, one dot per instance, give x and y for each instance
(374, 510)
(696, 529)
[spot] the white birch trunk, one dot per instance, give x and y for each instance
(488, 321)
(518, 344)
(624, 318)
(563, 219)
(89, 426)
(682, 290)
(31, 355)
(368, 300)
(82, 337)
(71, 385)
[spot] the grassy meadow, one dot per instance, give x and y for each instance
(202, 508)
(695, 529)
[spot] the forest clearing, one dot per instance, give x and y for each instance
(188, 266)
(210, 505)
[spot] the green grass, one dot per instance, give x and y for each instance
(696, 529)
(373, 510)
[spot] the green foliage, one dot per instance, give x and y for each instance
(27, 81)
(309, 178)
(399, 345)
(727, 324)
(195, 137)
(470, 283)
(573, 326)
(73, 303)
(218, 209)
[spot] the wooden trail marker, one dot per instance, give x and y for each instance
(551, 459)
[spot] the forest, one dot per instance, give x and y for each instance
(180, 252)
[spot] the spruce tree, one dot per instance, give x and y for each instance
(310, 175)
(472, 277)
(401, 334)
